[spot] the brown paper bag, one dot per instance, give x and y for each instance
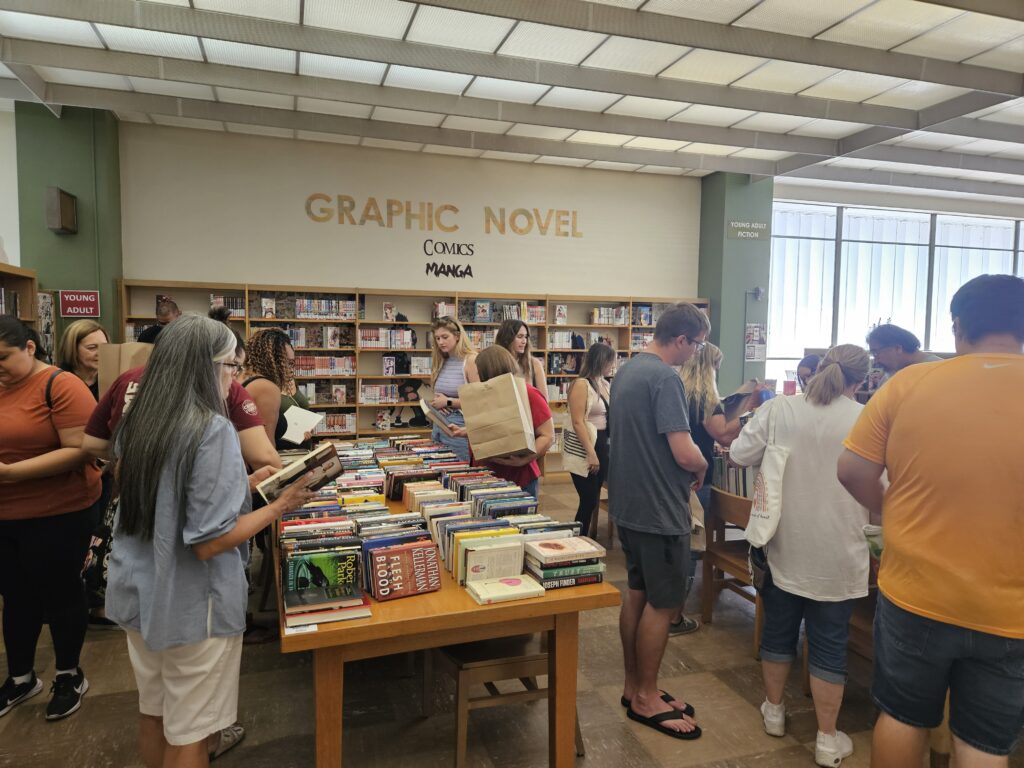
(115, 359)
(498, 417)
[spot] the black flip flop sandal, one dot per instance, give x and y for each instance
(668, 698)
(655, 722)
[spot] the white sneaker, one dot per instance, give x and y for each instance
(829, 751)
(774, 718)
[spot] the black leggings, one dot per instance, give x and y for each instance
(589, 487)
(41, 563)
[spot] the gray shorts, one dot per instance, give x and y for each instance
(657, 565)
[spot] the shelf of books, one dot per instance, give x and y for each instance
(18, 290)
(362, 356)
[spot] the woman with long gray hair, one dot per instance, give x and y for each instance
(817, 557)
(176, 577)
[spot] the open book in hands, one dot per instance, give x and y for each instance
(436, 416)
(321, 463)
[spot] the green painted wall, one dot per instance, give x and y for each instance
(78, 153)
(729, 268)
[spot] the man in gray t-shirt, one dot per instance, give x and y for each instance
(652, 467)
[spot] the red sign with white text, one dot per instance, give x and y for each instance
(79, 303)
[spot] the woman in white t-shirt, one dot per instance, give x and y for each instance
(818, 557)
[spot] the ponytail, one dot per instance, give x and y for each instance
(843, 366)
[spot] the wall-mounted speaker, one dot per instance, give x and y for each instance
(61, 211)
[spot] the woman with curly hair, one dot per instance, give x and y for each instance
(267, 374)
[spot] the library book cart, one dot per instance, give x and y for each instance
(443, 618)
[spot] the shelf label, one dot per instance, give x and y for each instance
(79, 303)
(749, 230)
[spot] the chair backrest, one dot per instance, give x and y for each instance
(730, 508)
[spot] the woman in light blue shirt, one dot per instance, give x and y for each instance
(452, 365)
(176, 575)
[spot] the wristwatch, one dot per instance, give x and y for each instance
(450, 402)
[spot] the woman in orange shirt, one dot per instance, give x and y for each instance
(48, 485)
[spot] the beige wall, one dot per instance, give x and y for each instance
(10, 249)
(200, 205)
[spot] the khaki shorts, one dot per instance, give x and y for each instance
(194, 688)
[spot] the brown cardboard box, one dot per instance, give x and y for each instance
(498, 417)
(115, 359)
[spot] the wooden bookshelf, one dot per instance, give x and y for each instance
(585, 316)
(20, 282)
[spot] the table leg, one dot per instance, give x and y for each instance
(328, 686)
(563, 654)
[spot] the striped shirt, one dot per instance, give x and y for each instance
(451, 377)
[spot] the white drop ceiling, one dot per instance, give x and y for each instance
(862, 89)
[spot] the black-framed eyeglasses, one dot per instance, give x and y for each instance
(235, 367)
(699, 345)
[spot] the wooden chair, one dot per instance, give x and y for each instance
(725, 562)
(523, 658)
(595, 519)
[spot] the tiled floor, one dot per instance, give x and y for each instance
(712, 668)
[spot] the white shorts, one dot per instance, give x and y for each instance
(194, 688)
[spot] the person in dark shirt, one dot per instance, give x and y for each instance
(654, 464)
(166, 312)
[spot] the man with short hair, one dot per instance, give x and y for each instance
(894, 348)
(950, 613)
(653, 465)
(166, 312)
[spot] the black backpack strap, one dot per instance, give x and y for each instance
(49, 388)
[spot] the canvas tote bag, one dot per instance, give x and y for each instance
(767, 506)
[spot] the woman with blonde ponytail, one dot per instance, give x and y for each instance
(817, 558)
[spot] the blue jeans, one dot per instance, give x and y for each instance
(827, 625)
(918, 659)
(458, 445)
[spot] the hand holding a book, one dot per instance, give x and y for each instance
(295, 494)
(440, 401)
(259, 476)
(457, 431)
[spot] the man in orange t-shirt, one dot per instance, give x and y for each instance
(950, 613)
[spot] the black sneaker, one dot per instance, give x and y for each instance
(67, 691)
(12, 693)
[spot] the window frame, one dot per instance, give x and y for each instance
(1016, 252)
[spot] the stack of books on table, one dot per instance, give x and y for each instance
(565, 562)
(320, 567)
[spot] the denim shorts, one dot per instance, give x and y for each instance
(827, 626)
(918, 659)
(656, 564)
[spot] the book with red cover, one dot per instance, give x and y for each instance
(405, 570)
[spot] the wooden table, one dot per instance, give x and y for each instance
(441, 618)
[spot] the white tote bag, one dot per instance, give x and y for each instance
(767, 507)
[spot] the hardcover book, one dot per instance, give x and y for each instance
(268, 308)
(405, 570)
(322, 462)
(492, 559)
(324, 615)
(487, 591)
(321, 598)
(564, 550)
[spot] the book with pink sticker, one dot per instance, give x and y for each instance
(489, 591)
